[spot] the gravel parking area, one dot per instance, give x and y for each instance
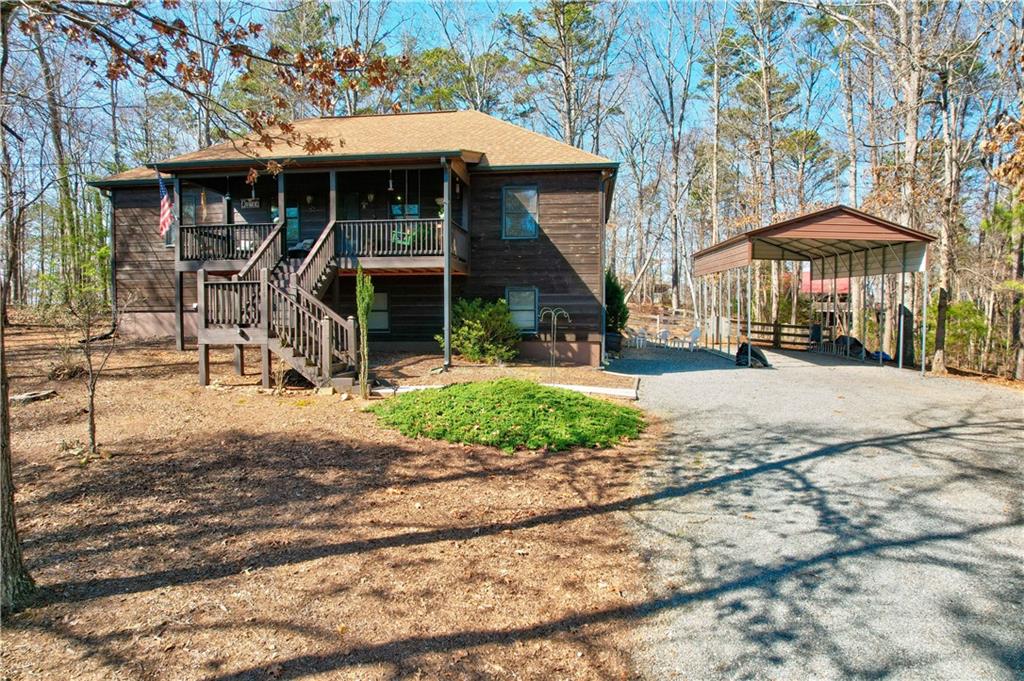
(827, 519)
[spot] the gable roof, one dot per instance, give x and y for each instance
(834, 233)
(485, 141)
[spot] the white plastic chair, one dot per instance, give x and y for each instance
(641, 338)
(663, 336)
(692, 340)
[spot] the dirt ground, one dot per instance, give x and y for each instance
(410, 369)
(231, 534)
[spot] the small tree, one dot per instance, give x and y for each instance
(616, 313)
(89, 321)
(364, 303)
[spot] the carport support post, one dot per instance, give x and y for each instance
(750, 340)
(849, 301)
(863, 305)
(924, 316)
(881, 310)
(903, 291)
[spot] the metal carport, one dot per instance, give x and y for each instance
(839, 243)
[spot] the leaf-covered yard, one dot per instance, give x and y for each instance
(232, 534)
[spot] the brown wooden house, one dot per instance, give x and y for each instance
(435, 206)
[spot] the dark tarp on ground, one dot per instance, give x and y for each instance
(757, 357)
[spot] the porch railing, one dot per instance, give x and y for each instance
(228, 303)
(222, 242)
(318, 262)
(374, 238)
(267, 254)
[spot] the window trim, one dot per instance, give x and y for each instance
(536, 190)
(386, 310)
(536, 306)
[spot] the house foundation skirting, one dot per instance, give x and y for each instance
(151, 325)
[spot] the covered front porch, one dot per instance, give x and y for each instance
(380, 218)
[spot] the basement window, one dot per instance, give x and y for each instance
(522, 302)
(379, 319)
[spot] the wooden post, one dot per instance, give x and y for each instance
(179, 310)
(447, 246)
(325, 348)
(353, 342)
(240, 359)
(204, 350)
(849, 300)
(204, 364)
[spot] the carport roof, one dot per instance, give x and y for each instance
(838, 242)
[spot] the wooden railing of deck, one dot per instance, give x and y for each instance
(375, 238)
(341, 341)
(228, 303)
(460, 242)
(311, 329)
(267, 255)
(318, 261)
(222, 242)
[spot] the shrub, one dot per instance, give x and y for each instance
(616, 313)
(483, 331)
(510, 414)
(364, 303)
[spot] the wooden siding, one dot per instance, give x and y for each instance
(563, 263)
(414, 304)
(144, 266)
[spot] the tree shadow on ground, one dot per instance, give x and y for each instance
(237, 495)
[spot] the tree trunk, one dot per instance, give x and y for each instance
(1016, 327)
(17, 585)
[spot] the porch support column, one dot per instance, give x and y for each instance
(280, 196)
(332, 209)
(179, 310)
(240, 359)
(179, 277)
(446, 239)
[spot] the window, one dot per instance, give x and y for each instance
(379, 319)
(519, 213)
(522, 302)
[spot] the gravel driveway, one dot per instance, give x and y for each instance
(827, 519)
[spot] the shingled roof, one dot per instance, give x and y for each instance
(480, 139)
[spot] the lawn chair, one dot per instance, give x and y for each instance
(641, 338)
(692, 342)
(663, 337)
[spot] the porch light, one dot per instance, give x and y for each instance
(369, 197)
(309, 199)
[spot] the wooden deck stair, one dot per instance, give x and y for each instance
(275, 302)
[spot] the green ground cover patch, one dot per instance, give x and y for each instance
(510, 414)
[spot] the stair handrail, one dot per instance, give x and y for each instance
(319, 258)
(265, 255)
(342, 329)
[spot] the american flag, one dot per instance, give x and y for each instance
(166, 215)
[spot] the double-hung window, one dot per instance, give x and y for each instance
(519, 213)
(379, 319)
(522, 302)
